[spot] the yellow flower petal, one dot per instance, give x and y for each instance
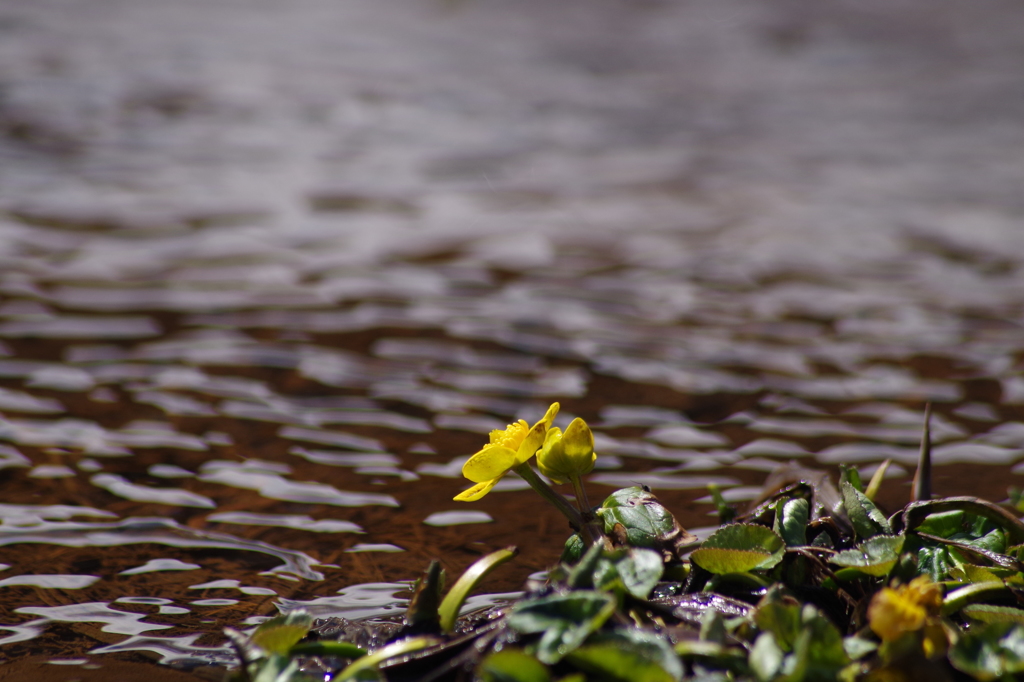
(578, 442)
(477, 491)
(535, 438)
(550, 415)
(491, 462)
(567, 455)
(906, 608)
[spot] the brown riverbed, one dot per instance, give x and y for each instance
(270, 272)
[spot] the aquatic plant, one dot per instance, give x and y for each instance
(813, 582)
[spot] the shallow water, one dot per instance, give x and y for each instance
(270, 273)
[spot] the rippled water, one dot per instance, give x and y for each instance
(271, 272)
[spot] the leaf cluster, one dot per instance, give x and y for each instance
(813, 583)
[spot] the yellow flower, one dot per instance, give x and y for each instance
(509, 447)
(906, 608)
(569, 455)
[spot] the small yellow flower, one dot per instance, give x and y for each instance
(907, 608)
(567, 455)
(509, 447)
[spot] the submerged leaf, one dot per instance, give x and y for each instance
(738, 548)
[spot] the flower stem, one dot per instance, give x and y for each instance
(581, 497)
(545, 491)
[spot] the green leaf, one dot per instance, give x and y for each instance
(791, 521)
(421, 616)
(712, 627)
(867, 520)
(738, 548)
(279, 634)
(992, 651)
(512, 665)
(628, 656)
(987, 613)
(961, 597)
(726, 512)
(852, 476)
(980, 574)
(467, 582)
(871, 492)
(766, 657)
(276, 668)
(827, 655)
(370, 662)
(327, 648)
(565, 619)
(779, 614)
(647, 522)
(875, 557)
(857, 647)
(640, 570)
(943, 524)
(573, 549)
(916, 512)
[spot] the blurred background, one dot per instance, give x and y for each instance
(271, 271)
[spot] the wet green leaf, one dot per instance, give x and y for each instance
(421, 616)
(943, 524)
(791, 521)
(712, 627)
(512, 665)
(867, 520)
(980, 574)
(279, 634)
(987, 613)
(726, 512)
(628, 656)
(915, 513)
(875, 557)
(990, 652)
(857, 647)
(565, 619)
(766, 657)
(647, 522)
(779, 614)
(852, 476)
(582, 574)
(738, 548)
(640, 570)
(827, 655)
(366, 666)
(448, 612)
(871, 491)
(573, 549)
(327, 648)
(276, 668)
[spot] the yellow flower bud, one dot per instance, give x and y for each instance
(567, 455)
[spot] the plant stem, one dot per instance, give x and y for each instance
(545, 491)
(581, 498)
